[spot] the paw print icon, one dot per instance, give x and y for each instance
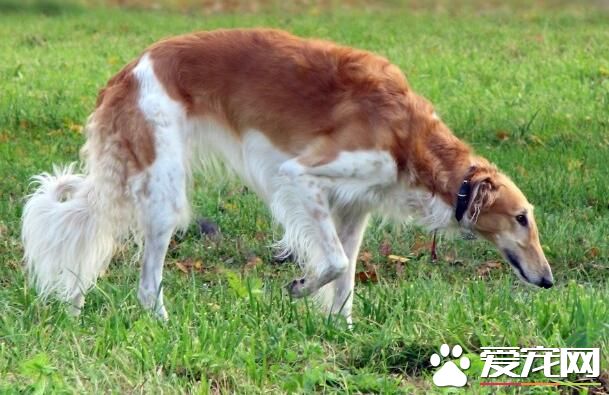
(449, 373)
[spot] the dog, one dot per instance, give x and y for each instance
(324, 134)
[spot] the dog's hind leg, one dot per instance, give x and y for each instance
(162, 207)
(160, 191)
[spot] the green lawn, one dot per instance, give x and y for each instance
(529, 90)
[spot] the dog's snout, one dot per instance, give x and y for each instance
(546, 283)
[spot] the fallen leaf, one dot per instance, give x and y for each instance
(252, 262)
(397, 258)
(182, 267)
(420, 247)
(593, 252)
(485, 269)
(189, 265)
(502, 135)
(365, 257)
(366, 277)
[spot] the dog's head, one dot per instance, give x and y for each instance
(491, 205)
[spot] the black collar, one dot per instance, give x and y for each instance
(463, 197)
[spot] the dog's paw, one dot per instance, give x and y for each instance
(161, 314)
(298, 288)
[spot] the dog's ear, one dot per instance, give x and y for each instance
(483, 192)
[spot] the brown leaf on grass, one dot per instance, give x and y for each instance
(486, 268)
(593, 252)
(369, 274)
(420, 247)
(399, 263)
(252, 262)
(397, 258)
(365, 257)
(502, 135)
(385, 248)
(190, 265)
(182, 267)
(366, 277)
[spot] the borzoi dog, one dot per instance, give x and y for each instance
(324, 134)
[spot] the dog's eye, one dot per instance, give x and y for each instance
(522, 220)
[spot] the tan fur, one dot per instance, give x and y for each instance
(121, 125)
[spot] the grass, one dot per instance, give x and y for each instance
(528, 89)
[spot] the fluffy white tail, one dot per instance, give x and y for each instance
(67, 236)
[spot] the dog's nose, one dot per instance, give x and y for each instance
(545, 283)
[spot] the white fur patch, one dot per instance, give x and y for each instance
(162, 186)
(404, 204)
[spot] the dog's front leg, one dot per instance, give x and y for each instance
(356, 180)
(328, 260)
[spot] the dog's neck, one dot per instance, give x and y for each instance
(436, 159)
